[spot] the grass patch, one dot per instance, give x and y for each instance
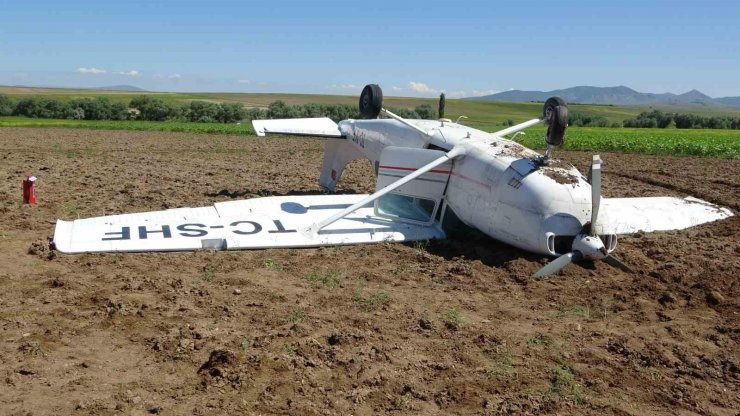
(540, 339)
(421, 245)
(271, 264)
(372, 301)
(288, 349)
(69, 208)
(402, 268)
(562, 383)
(327, 279)
(574, 311)
(276, 296)
(295, 316)
(453, 319)
(502, 368)
(210, 270)
(244, 345)
(32, 348)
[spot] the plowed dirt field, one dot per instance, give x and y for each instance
(446, 327)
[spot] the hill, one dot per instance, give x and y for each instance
(620, 95)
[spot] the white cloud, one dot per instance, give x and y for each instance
(175, 76)
(244, 81)
(456, 94)
(480, 93)
(131, 73)
(421, 87)
(92, 70)
(418, 87)
(345, 87)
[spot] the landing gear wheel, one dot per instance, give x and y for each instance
(551, 103)
(371, 101)
(555, 113)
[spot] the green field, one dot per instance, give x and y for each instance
(683, 142)
(176, 126)
(716, 143)
(485, 115)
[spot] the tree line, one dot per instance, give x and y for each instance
(146, 107)
(659, 119)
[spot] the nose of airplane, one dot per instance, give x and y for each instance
(590, 247)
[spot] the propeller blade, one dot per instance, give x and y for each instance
(557, 264)
(595, 192)
(615, 262)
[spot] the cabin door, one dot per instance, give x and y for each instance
(417, 201)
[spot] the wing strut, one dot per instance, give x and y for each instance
(314, 229)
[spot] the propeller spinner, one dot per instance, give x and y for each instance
(587, 245)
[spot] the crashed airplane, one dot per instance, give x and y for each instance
(428, 172)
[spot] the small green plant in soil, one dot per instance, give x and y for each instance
(373, 300)
(453, 319)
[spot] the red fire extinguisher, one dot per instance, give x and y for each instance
(29, 189)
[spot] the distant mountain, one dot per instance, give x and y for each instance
(620, 95)
(729, 101)
(129, 88)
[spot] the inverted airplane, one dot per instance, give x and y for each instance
(430, 173)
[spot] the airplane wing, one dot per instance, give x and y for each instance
(317, 127)
(247, 224)
(630, 215)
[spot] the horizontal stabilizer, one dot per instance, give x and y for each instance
(317, 127)
(631, 215)
(271, 222)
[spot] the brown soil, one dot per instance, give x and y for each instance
(449, 327)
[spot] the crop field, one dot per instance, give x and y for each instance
(455, 326)
(137, 125)
(685, 142)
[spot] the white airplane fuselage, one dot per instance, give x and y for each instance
(496, 187)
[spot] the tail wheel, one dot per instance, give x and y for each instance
(555, 113)
(371, 101)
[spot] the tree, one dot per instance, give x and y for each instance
(278, 109)
(425, 111)
(28, 107)
(154, 109)
(442, 105)
(203, 112)
(6, 105)
(232, 112)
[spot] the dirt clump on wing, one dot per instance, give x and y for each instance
(446, 327)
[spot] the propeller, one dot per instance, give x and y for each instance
(595, 175)
(557, 264)
(587, 245)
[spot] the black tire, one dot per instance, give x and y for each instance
(557, 123)
(551, 103)
(371, 101)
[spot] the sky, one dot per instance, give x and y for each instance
(410, 48)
